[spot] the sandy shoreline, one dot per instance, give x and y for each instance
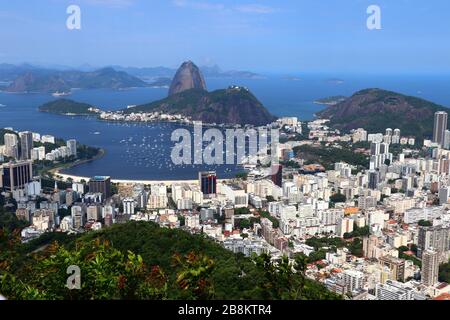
(65, 176)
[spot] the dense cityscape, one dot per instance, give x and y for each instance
(380, 233)
(224, 158)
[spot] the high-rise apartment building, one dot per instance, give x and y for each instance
(15, 175)
(440, 125)
(100, 184)
(11, 145)
(208, 182)
(26, 144)
(72, 146)
(277, 174)
(436, 238)
(430, 267)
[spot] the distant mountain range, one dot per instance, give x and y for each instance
(208, 71)
(377, 109)
(58, 78)
(43, 80)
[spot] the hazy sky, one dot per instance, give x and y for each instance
(270, 36)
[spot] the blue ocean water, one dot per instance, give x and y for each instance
(142, 151)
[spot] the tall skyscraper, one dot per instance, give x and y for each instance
(11, 145)
(72, 145)
(440, 125)
(436, 238)
(374, 178)
(277, 174)
(446, 144)
(208, 182)
(430, 267)
(396, 137)
(100, 184)
(26, 144)
(15, 175)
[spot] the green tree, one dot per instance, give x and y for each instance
(106, 273)
(425, 223)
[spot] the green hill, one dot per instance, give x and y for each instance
(67, 106)
(377, 109)
(140, 260)
(235, 105)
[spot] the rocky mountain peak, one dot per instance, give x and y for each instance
(188, 77)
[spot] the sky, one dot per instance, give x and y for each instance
(258, 35)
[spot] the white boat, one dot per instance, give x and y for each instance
(60, 94)
(2, 105)
(96, 132)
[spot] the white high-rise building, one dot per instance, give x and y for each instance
(72, 146)
(11, 145)
(446, 144)
(354, 280)
(128, 206)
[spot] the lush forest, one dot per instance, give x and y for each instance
(328, 156)
(140, 260)
(376, 109)
(66, 106)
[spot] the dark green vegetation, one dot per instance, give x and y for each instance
(329, 155)
(376, 109)
(228, 106)
(322, 245)
(140, 260)
(444, 272)
(66, 106)
(275, 222)
(358, 232)
(425, 223)
(337, 198)
(403, 255)
(43, 80)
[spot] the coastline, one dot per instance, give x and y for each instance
(60, 176)
(64, 176)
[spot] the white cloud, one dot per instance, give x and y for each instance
(254, 8)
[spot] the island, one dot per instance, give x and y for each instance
(69, 107)
(330, 101)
